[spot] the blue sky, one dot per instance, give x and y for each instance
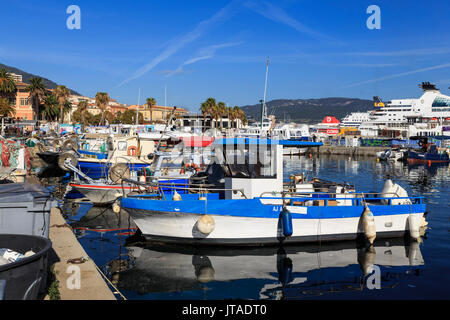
(201, 49)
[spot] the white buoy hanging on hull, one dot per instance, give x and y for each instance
(369, 224)
(176, 196)
(414, 222)
(206, 224)
(116, 206)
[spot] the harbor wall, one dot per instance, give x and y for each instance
(348, 151)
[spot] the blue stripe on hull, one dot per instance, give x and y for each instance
(99, 170)
(254, 208)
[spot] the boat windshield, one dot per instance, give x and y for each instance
(252, 163)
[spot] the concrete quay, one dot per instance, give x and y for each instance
(91, 286)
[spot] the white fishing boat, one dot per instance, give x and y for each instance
(168, 168)
(254, 208)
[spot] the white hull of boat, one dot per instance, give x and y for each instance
(103, 194)
(293, 151)
(181, 227)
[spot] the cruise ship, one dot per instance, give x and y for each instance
(425, 116)
(431, 105)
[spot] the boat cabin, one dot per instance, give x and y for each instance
(254, 166)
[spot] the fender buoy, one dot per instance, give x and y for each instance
(206, 224)
(132, 151)
(369, 224)
(286, 223)
(116, 207)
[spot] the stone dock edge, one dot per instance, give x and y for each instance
(80, 281)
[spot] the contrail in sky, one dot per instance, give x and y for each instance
(277, 14)
(440, 66)
(176, 44)
(203, 54)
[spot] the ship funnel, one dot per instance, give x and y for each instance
(427, 86)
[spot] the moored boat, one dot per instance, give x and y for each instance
(255, 209)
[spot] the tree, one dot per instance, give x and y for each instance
(37, 93)
(102, 100)
(231, 116)
(82, 108)
(109, 116)
(7, 84)
(6, 108)
(62, 94)
(241, 116)
(209, 108)
(150, 103)
(129, 117)
(221, 111)
(50, 107)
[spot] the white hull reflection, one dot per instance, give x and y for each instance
(160, 268)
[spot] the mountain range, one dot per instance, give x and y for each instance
(308, 110)
(27, 76)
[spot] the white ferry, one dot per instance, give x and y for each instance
(424, 116)
(355, 119)
(432, 104)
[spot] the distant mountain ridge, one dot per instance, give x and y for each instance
(309, 110)
(27, 76)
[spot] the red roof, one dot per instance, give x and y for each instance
(330, 120)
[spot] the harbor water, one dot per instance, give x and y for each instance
(393, 269)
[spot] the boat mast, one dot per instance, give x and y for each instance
(263, 111)
(165, 100)
(137, 109)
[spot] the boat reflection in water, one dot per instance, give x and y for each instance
(293, 272)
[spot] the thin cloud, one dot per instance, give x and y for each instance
(441, 66)
(401, 53)
(203, 54)
(176, 44)
(277, 14)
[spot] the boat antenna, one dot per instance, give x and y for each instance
(137, 109)
(264, 111)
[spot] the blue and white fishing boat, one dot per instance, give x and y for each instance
(254, 208)
(168, 168)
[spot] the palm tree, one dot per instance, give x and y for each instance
(7, 84)
(50, 110)
(242, 117)
(231, 116)
(37, 93)
(6, 108)
(62, 93)
(81, 109)
(221, 112)
(205, 112)
(102, 100)
(150, 103)
(209, 107)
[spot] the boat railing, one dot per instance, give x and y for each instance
(357, 198)
(179, 186)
